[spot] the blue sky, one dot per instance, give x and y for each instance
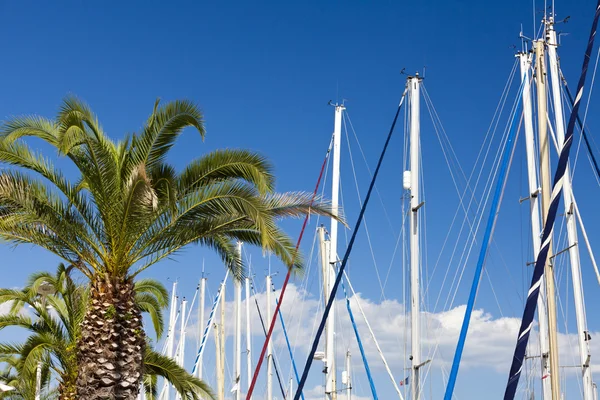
(263, 73)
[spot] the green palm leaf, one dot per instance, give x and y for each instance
(125, 210)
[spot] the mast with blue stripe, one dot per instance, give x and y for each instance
(571, 222)
(525, 60)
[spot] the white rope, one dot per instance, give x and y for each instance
(387, 367)
(585, 238)
(569, 108)
(490, 134)
(358, 194)
(389, 221)
(481, 206)
(585, 114)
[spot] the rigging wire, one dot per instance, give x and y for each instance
(483, 155)
(583, 131)
(360, 346)
(285, 282)
(262, 323)
(287, 341)
(345, 259)
(387, 367)
(497, 199)
(585, 114)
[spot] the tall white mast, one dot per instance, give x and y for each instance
(222, 345)
(582, 335)
(269, 346)
(536, 229)
(415, 257)
(248, 335)
(540, 77)
(237, 351)
(201, 322)
(325, 266)
(171, 334)
(38, 381)
(330, 380)
(220, 374)
(348, 382)
(181, 349)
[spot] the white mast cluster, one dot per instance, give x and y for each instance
(546, 49)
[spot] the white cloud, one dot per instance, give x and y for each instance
(489, 347)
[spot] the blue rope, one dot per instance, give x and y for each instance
(338, 278)
(584, 133)
(208, 324)
(287, 341)
(538, 272)
(489, 231)
(360, 346)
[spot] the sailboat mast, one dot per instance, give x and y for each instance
(330, 383)
(415, 205)
(201, 322)
(270, 346)
(325, 266)
(584, 350)
(221, 353)
(171, 334)
(220, 375)
(181, 349)
(237, 351)
(536, 228)
(544, 143)
(248, 334)
(348, 376)
(182, 332)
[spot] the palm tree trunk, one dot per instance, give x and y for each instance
(112, 344)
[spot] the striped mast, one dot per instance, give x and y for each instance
(536, 227)
(571, 222)
(209, 324)
(198, 363)
(530, 305)
(544, 143)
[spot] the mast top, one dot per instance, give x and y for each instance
(342, 106)
(415, 76)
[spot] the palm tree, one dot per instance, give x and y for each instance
(129, 209)
(56, 329)
(20, 383)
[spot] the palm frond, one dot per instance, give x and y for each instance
(155, 288)
(148, 303)
(32, 125)
(162, 130)
(227, 165)
(188, 386)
